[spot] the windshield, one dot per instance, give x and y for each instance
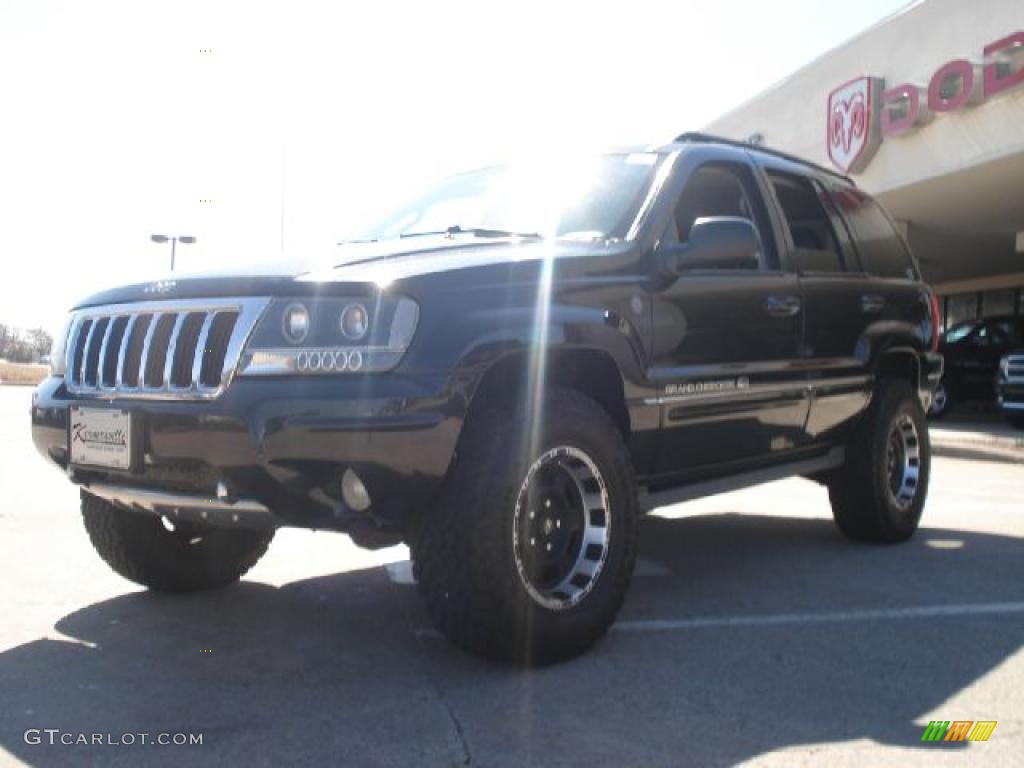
(588, 199)
(958, 332)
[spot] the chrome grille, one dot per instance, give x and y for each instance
(1015, 368)
(159, 350)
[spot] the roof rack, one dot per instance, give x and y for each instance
(707, 138)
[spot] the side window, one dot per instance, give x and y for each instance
(997, 333)
(721, 189)
(815, 247)
(882, 250)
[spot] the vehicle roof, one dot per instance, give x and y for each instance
(696, 137)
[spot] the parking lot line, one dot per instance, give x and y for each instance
(779, 619)
(875, 614)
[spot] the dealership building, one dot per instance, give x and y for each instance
(925, 110)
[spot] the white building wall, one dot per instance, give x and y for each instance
(907, 47)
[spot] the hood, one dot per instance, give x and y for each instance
(390, 262)
(359, 268)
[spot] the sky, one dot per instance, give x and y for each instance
(269, 130)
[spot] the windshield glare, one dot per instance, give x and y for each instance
(958, 332)
(588, 199)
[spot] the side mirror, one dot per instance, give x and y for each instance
(716, 242)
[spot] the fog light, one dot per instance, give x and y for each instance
(354, 492)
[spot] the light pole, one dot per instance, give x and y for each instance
(187, 239)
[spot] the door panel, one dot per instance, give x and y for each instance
(835, 350)
(839, 303)
(724, 363)
(727, 341)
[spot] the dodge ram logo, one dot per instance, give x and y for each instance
(853, 136)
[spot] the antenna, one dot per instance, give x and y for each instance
(284, 186)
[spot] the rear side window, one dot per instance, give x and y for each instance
(881, 249)
(815, 247)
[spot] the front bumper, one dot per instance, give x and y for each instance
(1010, 396)
(279, 443)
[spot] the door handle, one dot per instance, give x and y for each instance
(782, 306)
(872, 302)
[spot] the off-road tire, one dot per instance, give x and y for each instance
(863, 503)
(191, 558)
(465, 557)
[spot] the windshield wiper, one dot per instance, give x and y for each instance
(457, 229)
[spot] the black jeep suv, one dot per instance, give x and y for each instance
(506, 374)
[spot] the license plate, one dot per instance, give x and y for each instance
(100, 437)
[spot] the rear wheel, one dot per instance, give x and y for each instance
(529, 554)
(183, 557)
(879, 493)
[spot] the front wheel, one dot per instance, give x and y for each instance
(184, 557)
(879, 493)
(529, 554)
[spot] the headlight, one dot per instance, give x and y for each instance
(330, 336)
(354, 322)
(58, 354)
(1004, 367)
(295, 323)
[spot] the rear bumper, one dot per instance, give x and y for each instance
(279, 444)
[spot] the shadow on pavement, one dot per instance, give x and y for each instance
(332, 669)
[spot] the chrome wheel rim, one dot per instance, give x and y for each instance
(561, 528)
(903, 461)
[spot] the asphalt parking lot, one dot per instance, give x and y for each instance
(753, 634)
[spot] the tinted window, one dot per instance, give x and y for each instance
(814, 242)
(881, 249)
(998, 333)
(718, 189)
(958, 332)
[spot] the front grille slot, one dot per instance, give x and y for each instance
(110, 353)
(164, 350)
(81, 335)
(1015, 368)
(213, 360)
(93, 343)
(185, 349)
(133, 351)
(153, 376)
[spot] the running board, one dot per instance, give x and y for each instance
(652, 500)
